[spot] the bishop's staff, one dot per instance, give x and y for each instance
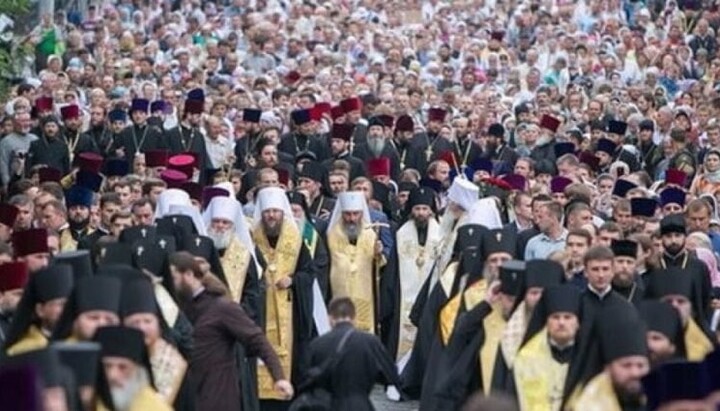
(378, 263)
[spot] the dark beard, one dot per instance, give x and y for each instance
(78, 225)
(421, 224)
(272, 232)
(628, 399)
(674, 249)
(352, 232)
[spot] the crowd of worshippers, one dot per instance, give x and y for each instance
(271, 206)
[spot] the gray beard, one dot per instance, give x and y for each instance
(376, 145)
(352, 231)
(123, 396)
(221, 240)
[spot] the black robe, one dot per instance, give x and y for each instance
(294, 143)
(364, 153)
(635, 293)
(183, 139)
(82, 142)
(138, 139)
(245, 148)
(457, 370)
(5, 320)
(362, 363)
(50, 152)
(103, 138)
(412, 152)
(357, 167)
(587, 360)
(467, 151)
(321, 206)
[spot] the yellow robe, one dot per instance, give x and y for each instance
(598, 395)
(352, 272)
(697, 343)
(281, 262)
(493, 325)
(472, 296)
(67, 242)
(168, 367)
(33, 339)
(538, 377)
(235, 262)
(146, 400)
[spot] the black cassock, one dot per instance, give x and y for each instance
(103, 138)
(363, 362)
(364, 153)
(183, 139)
(50, 152)
(294, 143)
(357, 167)
(80, 143)
(138, 139)
(587, 361)
(457, 368)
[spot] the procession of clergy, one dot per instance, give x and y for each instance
(179, 286)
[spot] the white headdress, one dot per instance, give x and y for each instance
(350, 201)
(177, 202)
(269, 198)
(464, 193)
(230, 209)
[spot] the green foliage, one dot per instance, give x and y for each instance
(13, 53)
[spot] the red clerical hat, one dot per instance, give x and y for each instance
(549, 123)
(8, 214)
(437, 114)
(173, 178)
(185, 163)
(378, 167)
(49, 174)
(342, 131)
(351, 104)
(675, 176)
(292, 77)
(13, 276)
(90, 162)
(336, 112)
(448, 157)
(316, 113)
(156, 158)
(44, 103)
(194, 106)
(69, 112)
(30, 241)
(323, 107)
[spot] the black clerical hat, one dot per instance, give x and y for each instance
(97, 293)
(676, 381)
(124, 342)
(55, 281)
(149, 256)
(543, 273)
(670, 281)
(499, 241)
(624, 248)
(47, 363)
(421, 196)
(123, 272)
(622, 187)
(176, 225)
(643, 207)
(199, 246)
(470, 263)
(468, 236)
(115, 253)
(622, 333)
(512, 277)
(674, 223)
(662, 317)
(312, 170)
(135, 233)
(562, 298)
(82, 357)
(672, 195)
(138, 297)
(617, 127)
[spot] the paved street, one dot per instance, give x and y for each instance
(383, 404)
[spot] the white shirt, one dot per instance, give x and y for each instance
(218, 150)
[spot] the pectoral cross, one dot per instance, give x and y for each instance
(197, 242)
(162, 243)
(428, 153)
(174, 220)
(143, 232)
(140, 250)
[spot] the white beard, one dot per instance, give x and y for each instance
(221, 240)
(123, 396)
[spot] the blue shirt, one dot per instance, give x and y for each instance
(541, 246)
(386, 237)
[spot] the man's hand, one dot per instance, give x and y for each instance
(283, 283)
(493, 290)
(378, 248)
(285, 388)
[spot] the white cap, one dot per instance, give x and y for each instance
(169, 197)
(352, 201)
(224, 208)
(463, 193)
(271, 197)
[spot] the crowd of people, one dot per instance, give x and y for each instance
(277, 205)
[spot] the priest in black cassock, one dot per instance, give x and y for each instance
(139, 136)
(101, 131)
(378, 145)
(304, 137)
(77, 141)
(626, 280)
(409, 145)
(187, 137)
(340, 144)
